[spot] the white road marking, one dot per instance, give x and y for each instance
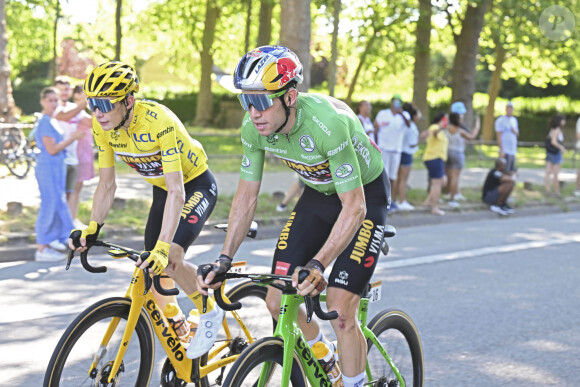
(450, 256)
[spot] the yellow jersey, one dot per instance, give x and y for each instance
(436, 145)
(155, 143)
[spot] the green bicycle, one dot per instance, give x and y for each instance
(394, 358)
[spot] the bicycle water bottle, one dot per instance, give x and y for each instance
(328, 362)
(177, 320)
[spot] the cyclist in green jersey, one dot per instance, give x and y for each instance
(342, 213)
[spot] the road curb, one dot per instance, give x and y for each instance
(271, 228)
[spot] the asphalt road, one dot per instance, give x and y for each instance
(496, 301)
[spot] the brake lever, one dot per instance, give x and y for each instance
(148, 280)
(71, 255)
(309, 308)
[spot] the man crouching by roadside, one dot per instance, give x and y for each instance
(497, 188)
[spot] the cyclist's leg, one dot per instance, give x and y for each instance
(350, 275)
(201, 196)
(200, 200)
(301, 238)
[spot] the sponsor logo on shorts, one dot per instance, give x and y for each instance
(193, 219)
(197, 204)
(342, 278)
(283, 239)
(368, 240)
(282, 268)
(246, 162)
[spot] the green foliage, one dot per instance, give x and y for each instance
(28, 26)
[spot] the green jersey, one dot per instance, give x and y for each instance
(327, 147)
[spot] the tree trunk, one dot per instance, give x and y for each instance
(488, 132)
(422, 57)
(6, 99)
(118, 30)
(334, 49)
(248, 23)
(265, 28)
(467, 44)
(295, 33)
(360, 67)
(54, 42)
(204, 110)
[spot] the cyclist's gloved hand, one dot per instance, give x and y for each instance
(89, 234)
(315, 277)
(221, 265)
(156, 258)
(207, 272)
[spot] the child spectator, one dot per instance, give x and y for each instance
(434, 158)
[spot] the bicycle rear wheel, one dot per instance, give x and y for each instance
(398, 335)
(77, 349)
(268, 352)
(17, 162)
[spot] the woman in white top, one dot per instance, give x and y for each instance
(363, 112)
(410, 147)
(457, 134)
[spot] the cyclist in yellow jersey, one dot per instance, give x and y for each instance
(153, 141)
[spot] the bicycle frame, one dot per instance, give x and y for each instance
(295, 342)
(186, 369)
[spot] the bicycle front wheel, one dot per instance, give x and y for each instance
(399, 337)
(80, 345)
(267, 352)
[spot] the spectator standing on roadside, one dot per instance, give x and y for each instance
(363, 112)
(507, 133)
(410, 147)
(554, 152)
(68, 116)
(391, 131)
(85, 155)
(577, 191)
(498, 186)
(54, 221)
(456, 135)
(295, 190)
(434, 158)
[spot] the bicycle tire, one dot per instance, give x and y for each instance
(399, 337)
(246, 368)
(19, 166)
(88, 329)
(15, 157)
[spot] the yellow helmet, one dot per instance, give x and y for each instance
(111, 79)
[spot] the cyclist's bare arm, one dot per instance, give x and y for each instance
(241, 215)
(348, 222)
(173, 206)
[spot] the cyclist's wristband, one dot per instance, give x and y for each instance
(315, 263)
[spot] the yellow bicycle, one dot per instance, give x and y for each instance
(111, 343)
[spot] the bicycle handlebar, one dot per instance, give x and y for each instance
(119, 252)
(312, 303)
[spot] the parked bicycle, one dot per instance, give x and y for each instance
(395, 355)
(16, 152)
(111, 343)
